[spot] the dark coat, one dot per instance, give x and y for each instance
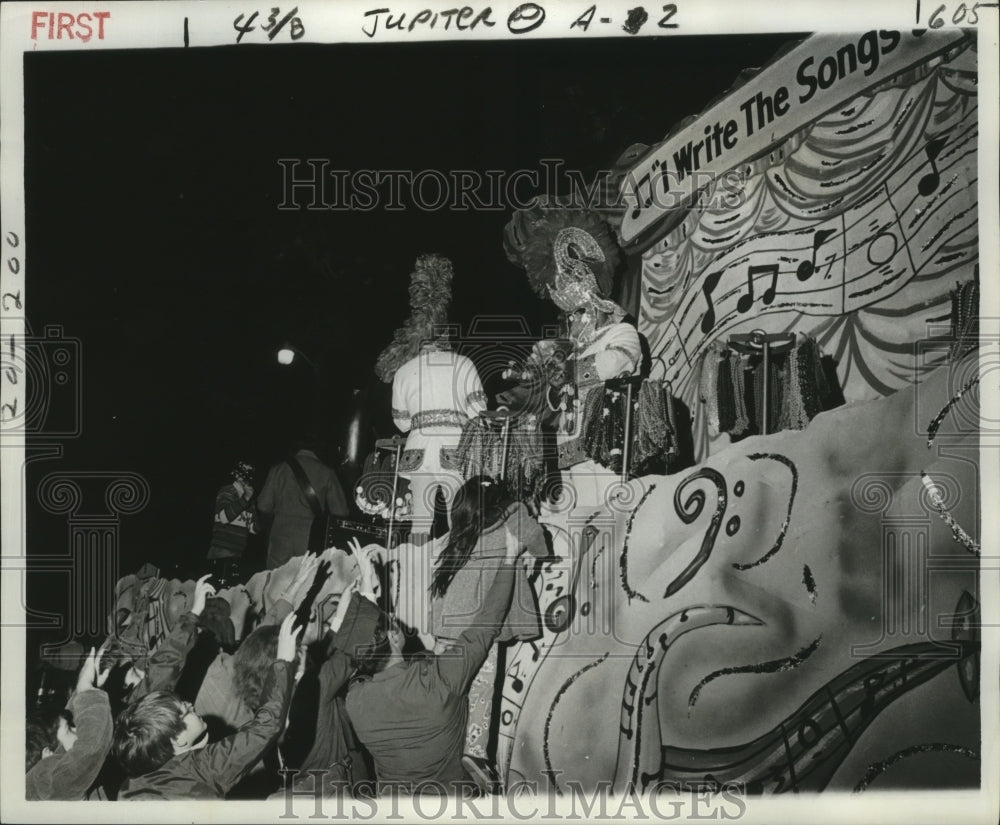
(412, 716)
(209, 773)
(282, 497)
(66, 776)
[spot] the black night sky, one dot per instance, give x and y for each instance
(154, 237)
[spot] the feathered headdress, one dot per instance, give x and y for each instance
(569, 254)
(430, 294)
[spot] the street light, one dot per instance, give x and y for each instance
(288, 353)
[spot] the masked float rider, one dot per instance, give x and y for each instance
(434, 391)
(571, 256)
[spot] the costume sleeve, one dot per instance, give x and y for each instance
(227, 761)
(229, 504)
(167, 662)
(622, 352)
(460, 662)
(400, 409)
(266, 499)
(67, 776)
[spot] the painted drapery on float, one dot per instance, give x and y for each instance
(854, 230)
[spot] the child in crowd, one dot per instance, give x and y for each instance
(163, 743)
(64, 755)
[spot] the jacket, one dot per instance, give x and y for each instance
(453, 612)
(209, 773)
(167, 661)
(293, 517)
(412, 716)
(217, 701)
(67, 775)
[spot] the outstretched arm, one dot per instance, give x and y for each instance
(291, 597)
(224, 763)
(460, 662)
(67, 776)
(167, 662)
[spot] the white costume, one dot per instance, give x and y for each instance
(433, 395)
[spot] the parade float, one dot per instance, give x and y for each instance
(796, 610)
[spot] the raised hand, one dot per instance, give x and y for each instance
(374, 551)
(369, 585)
(304, 577)
(88, 678)
(301, 669)
(202, 590)
(288, 639)
(337, 619)
(102, 675)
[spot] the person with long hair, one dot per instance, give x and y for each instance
(411, 712)
(229, 694)
(482, 516)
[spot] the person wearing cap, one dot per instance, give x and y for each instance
(235, 520)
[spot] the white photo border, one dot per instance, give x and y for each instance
(24, 28)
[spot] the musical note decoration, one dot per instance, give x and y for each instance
(806, 269)
(879, 201)
(929, 183)
(746, 301)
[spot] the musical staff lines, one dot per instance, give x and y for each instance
(919, 223)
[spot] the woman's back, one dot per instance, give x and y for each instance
(452, 612)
